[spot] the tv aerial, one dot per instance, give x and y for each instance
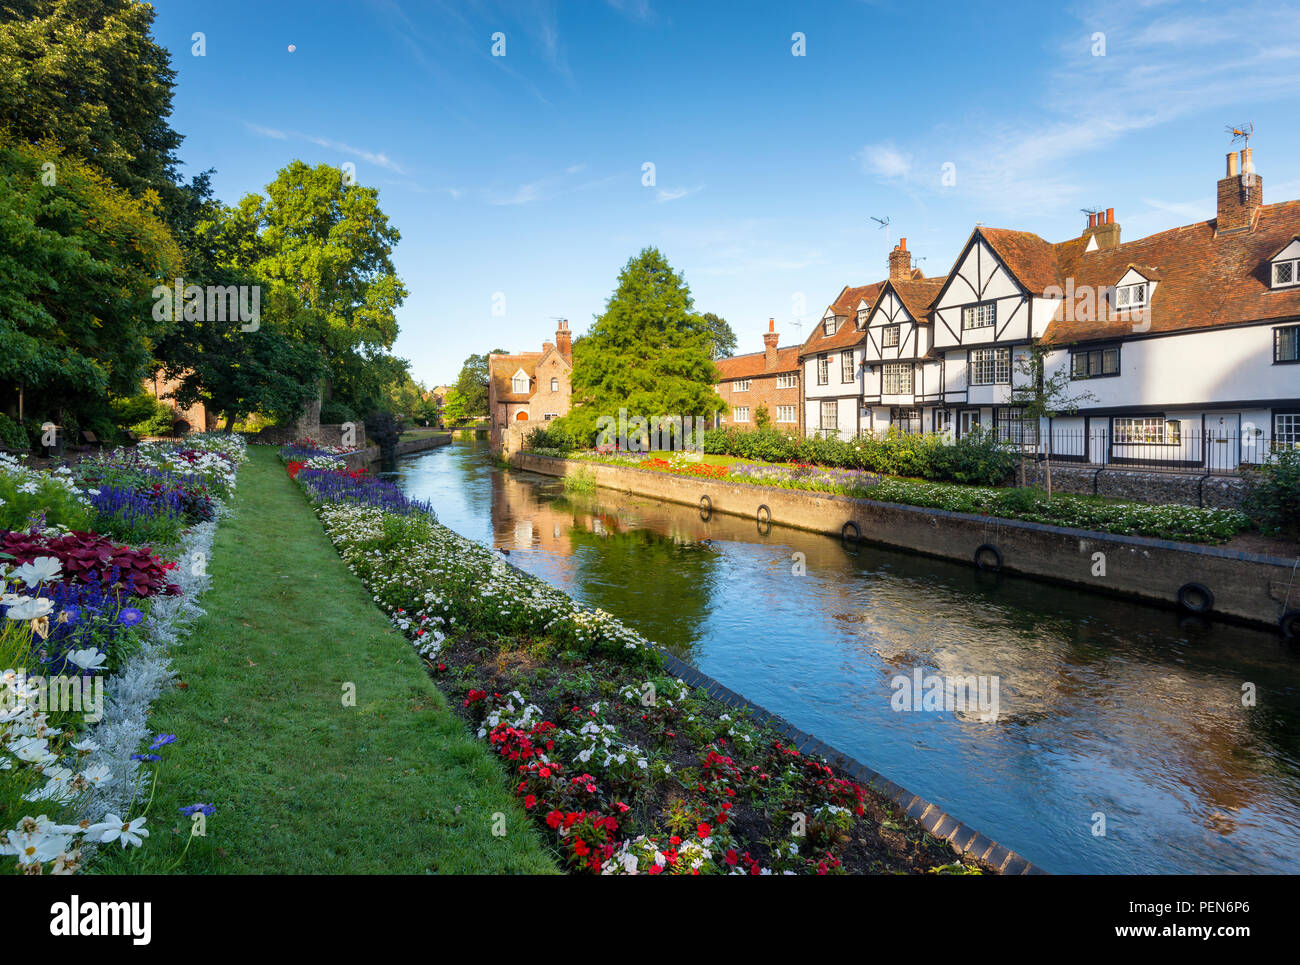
(884, 225)
(1241, 132)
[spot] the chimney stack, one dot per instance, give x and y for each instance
(1241, 194)
(900, 262)
(770, 339)
(1102, 227)
(564, 340)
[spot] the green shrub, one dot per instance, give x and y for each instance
(550, 437)
(1272, 499)
(12, 435)
(19, 508)
(333, 413)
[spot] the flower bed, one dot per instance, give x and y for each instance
(623, 767)
(84, 623)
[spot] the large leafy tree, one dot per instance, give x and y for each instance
(231, 368)
(721, 336)
(87, 75)
(79, 259)
(327, 243)
(472, 383)
(648, 352)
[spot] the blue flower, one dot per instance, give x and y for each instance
(145, 757)
(130, 616)
(192, 809)
(162, 740)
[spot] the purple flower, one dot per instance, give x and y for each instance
(129, 616)
(192, 809)
(145, 757)
(162, 740)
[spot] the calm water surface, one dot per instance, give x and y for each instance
(1105, 706)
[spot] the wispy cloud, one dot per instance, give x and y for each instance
(663, 195)
(636, 9)
(377, 158)
(550, 187)
(885, 160)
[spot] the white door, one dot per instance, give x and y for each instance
(1222, 442)
(969, 420)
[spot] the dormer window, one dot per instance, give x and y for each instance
(1131, 296)
(828, 327)
(1285, 270)
(862, 318)
(519, 383)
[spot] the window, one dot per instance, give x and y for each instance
(740, 385)
(943, 420)
(990, 366)
(979, 316)
(889, 336)
(830, 415)
(519, 385)
(785, 413)
(555, 385)
(1155, 431)
(906, 420)
(862, 318)
(823, 369)
(1286, 344)
(1286, 273)
(787, 381)
(551, 415)
(740, 413)
(828, 327)
(1286, 430)
(846, 367)
(897, 379)
(1131, 296)
(1094, 363)
(1013, 427)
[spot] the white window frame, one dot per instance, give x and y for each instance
(740, 413)
(823, 370)
(1286, 430)
(787, 413)
(1291, 263)
(834, 409)
(555, 384)
(1146, 431)
(788, 381)
(740, 385)
(1011, 426)
(990, 366)
(847, 372)
(862, 318)
(828, 326)
(896, 331)
(981, 315)
(897, 378)
(515, 382)
(1132, 296)
(907, 419)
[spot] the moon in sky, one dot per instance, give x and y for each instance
(292, 48)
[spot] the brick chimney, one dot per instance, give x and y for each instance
(900, 262)
(1241, 194)
(564, 340)
(1103, 227)
(770, 339)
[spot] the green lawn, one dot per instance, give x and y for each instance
(303, 784)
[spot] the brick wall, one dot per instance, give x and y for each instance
(762, 391)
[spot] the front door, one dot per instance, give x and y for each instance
(968, 421)
(1222, 442)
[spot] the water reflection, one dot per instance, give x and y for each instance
(1105, 706)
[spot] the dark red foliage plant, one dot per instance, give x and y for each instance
(88, 557)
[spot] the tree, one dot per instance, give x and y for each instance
(1043, 397)
(762, 417)
(472, 383)
(454, 408)
(327, 243)
(90, 77)
(648, 352)
(724, 339)
(78, 264)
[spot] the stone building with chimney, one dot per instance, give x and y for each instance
(529, 389)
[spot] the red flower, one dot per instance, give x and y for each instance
(732, 857)
(704, 830)
(555, 818)
(530, 801)
(580, 847)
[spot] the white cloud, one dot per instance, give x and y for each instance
(376, 158)
(885, 160)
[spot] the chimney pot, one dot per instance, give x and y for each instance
(1247, 163)
(771, 324)
(1092, 220)
(1232, 164)
(1110, 216)
(902, 244)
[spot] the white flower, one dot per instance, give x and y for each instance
(113, 828)
(30, 608)
(88, 659)
(40, 570)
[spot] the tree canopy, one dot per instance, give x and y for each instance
(722, 337)
(472, 384)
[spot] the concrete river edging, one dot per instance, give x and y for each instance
(1248, 587)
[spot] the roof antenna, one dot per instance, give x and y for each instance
(1242, 132)
(884, 223)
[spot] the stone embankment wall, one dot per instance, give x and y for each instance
(1187, 489)
(1245, 586)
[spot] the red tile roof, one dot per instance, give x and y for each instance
(754, 364)
(917, 295)
(1205, 279)
(848, 333)
(501, 369)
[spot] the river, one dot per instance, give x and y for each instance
(1108, 711)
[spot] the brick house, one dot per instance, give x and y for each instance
(529, 389)
(194, 419)
(768, 378)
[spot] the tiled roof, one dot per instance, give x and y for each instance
(501, 369)
(848, 333)
(917, 295)
(1032, 260)
(1205, 279)
(754, 364)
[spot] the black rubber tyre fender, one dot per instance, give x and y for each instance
(855, 538)
(764, 523)
(1290, 624)
(706, 508)
(979, 557)
(1195, 598)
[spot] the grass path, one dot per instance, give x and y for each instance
(303, 784)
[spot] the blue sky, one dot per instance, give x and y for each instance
(520, 178)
